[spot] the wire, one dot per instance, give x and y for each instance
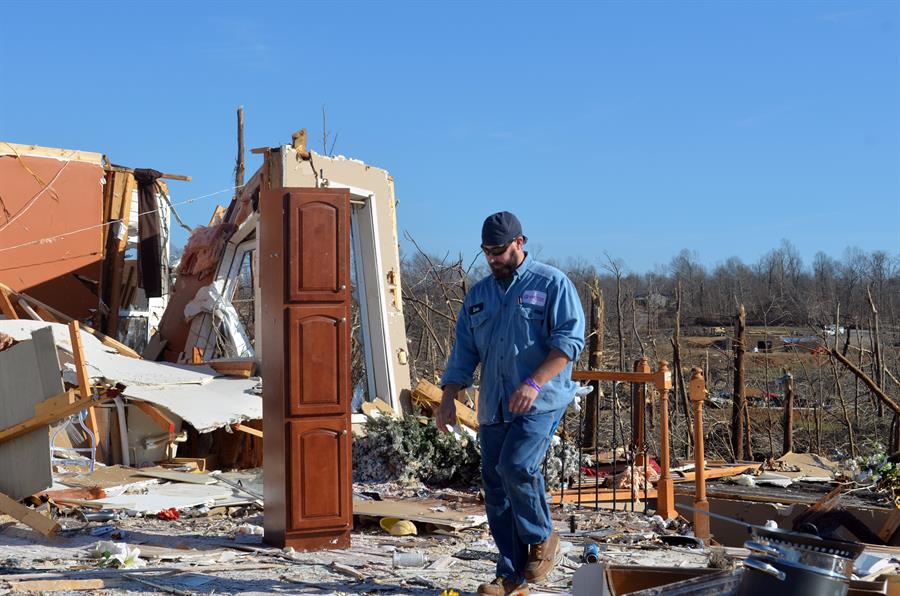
(114, 221)
(31, 201)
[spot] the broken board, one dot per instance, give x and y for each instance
(422, 510)
(29, 374)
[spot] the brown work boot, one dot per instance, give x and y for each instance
(503, 587)
(542, 558)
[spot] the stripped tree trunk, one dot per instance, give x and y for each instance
(595, 362)
(738, 407)
(788, 441)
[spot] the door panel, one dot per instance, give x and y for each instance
(318, 359)
(318, 468)
(319, 245)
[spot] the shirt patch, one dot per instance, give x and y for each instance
(476, 308)
(534, 297)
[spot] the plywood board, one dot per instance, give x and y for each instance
(423, 510)
(108, 478)
(29, 374)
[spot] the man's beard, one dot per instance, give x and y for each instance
(505, 269)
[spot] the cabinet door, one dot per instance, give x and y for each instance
(318, 360)
(319, 472)
(318, 245)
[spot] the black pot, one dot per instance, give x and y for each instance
(768, 576)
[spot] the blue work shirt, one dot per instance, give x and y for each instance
(510, 332)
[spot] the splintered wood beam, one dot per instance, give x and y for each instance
(84, 383)
(28, 516)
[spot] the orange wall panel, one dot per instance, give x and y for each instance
(73, 201)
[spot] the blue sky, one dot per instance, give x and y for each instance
(636, 129)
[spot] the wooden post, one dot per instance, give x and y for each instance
(665, 492)
(701, 505)
(737, 410)
(84, 384)
(788, 443)
(638, 413)
(239, 165)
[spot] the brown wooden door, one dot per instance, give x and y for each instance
(318, 246)
(318, 353)
(319, 466)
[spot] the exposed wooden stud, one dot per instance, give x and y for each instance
(123, 214)
(84, 384)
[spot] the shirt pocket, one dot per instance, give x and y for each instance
(480, 326)
(529, 326)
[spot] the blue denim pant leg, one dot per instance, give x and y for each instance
(514, 491)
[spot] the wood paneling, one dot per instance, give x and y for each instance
(319, 248)
(318, 353)
(320, 455)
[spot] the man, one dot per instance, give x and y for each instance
(524, 324)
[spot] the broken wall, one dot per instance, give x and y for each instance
(45, 193)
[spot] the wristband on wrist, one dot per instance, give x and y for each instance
(529, 381)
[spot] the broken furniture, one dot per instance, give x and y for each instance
(305, 283)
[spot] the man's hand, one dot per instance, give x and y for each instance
(446, 412)
(522, 399)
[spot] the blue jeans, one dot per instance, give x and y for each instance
(514, 493)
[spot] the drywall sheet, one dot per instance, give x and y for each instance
(50, 198)
(193, 393)
(29, 374)
(221, 402)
